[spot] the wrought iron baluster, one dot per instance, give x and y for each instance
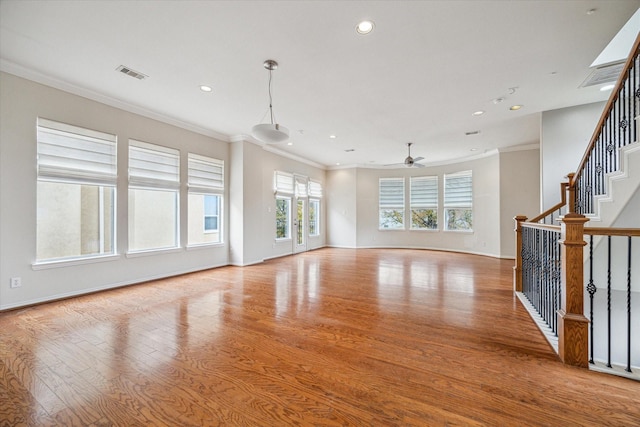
(609, 302)
(591, 288)
(628, 304)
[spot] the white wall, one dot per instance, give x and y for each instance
(565, 134)
(486, 213)
(21, 103)
(519, 193)
(341, 207)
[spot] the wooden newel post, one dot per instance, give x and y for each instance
(517, 269)
(571, 193)
(573, 333)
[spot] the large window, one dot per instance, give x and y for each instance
(75, 192)
(315, 194)
(458, 201)
(206, 188)
(154, 183)
(283, 184)
(391, 203)
(283, 217)
(424, 202)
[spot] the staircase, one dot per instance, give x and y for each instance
(586, 299)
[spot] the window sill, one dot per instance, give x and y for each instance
(459, 231)
(425, 230)
(149, 252)
(45, 265)
(205, 246)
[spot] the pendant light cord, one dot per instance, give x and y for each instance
(270, 97)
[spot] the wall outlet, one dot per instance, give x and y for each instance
(16, 282)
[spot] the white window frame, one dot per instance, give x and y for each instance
(159, 172)
(423, 195)
(205, 176)
(458, 195)
(284, 188)
(68, 154)
(390, 199)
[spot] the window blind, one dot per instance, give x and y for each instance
(73, 154)
(315, 189)
(391, 192)
(205, 174)
(301, 187)
(424, 191)
(458, 190)
(152, 165)
(283, 182)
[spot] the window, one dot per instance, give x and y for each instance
(458, 201)
(283, 215)
(76, 192)
(154, 183)
(314, 218)
(315, 193)
(284, 187)
(206, 188)
(211, 214)
(391, 203)
(424, 202)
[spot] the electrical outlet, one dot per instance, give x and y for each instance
(16, 282)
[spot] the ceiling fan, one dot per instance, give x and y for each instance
(410, 162)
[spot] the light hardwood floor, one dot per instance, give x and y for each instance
(329, 337)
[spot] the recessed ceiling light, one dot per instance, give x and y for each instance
(591, 11)
(498, 100)
(338, 164)
(607, 87)
(205, 88)
(477, 113)
(289, 143)
(365, 27)
(473, 149)
(515, 107)
(332, 136)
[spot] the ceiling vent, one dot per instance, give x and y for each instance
(602, 74)
(129, 72)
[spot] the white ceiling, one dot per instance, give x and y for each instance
(418, 77)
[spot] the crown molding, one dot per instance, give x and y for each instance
(274, 150)
(37, 77)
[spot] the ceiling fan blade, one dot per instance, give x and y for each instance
(417, 159)
(419, 165)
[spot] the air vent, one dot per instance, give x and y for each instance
(129, 72)
(349, 150)
(604, 74)
(473, 132)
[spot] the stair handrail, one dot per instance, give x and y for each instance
(633, 54)
(556, 207)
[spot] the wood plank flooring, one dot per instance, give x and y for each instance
(330, 337)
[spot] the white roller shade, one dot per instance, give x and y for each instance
(315, 189)
(458, 190)
(152, 165)
(424, 191)
(205, 174)
(391, 192)
(74, 154)
(283, 182)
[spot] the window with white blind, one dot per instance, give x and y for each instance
(284, 187)
(391, 203)
(154, 185)
(315, 194)
(423, 200)
(206, 189)
(458, 201)
(76, 192)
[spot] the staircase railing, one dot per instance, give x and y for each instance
(615, 129)
(549, 274)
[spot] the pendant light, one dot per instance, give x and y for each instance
(270, 133)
